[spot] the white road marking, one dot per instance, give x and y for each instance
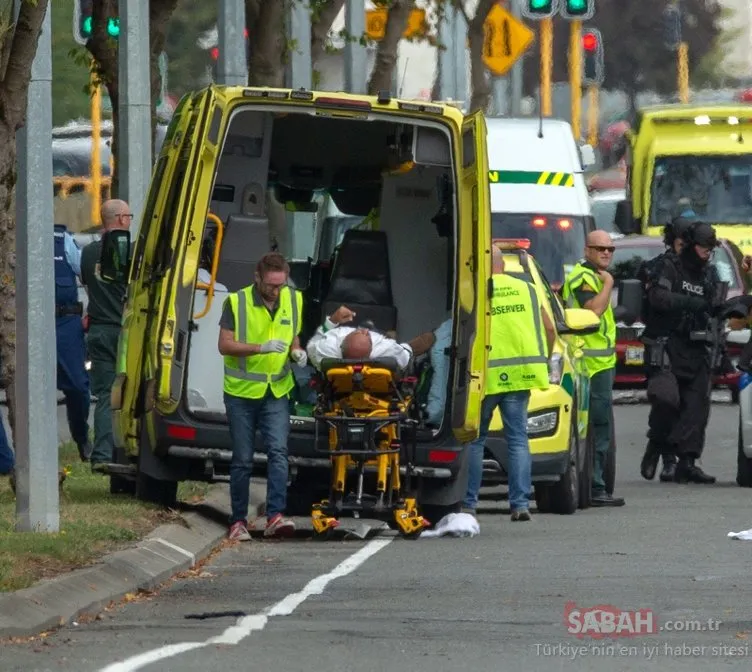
(177, 548)
(255, 622)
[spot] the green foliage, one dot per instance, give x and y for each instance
(70, 68)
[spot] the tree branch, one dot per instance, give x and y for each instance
(387, 51)
(321, 26)
(23, 51)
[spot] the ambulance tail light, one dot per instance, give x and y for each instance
(512, 243)
(333, 102)
(539, 222)
(565, 224)
(445, 456)
(181, 432)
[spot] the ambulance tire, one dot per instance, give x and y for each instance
(154, 491)
(563, 496)
(309, 487)
(743, 463)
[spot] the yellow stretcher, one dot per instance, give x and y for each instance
(368, 412)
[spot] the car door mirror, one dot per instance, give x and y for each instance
(115, 259)
(579, 321)
(629, 301)
(587, 156)
(623, 220)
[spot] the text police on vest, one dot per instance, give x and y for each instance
(693, 289)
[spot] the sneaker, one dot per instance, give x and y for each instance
(239, 531)
(279, 526)
(85, 450)
(522, 515)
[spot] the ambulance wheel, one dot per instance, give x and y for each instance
(161, 493)
(433, 513)
(563, 496)
(119, 485)
(743, 463)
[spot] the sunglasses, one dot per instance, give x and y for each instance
(602, 248)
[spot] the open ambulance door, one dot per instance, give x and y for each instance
(473, 276)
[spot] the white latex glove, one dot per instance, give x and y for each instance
(273, 346)
(299, 357)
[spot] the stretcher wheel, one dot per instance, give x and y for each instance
(326, 535)
(412, 536)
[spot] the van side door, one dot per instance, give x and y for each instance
(473, 275)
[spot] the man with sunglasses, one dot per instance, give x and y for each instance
(681, 302)
(104, 315)
(589, 286)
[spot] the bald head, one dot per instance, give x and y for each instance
(116, 215)
(599, 249)
(357, 345)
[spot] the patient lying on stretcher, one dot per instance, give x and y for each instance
(335, 340)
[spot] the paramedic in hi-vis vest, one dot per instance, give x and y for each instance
(522, 339)
(258, 338)
(589, 286)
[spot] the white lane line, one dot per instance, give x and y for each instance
(255, 622)
(177, 548)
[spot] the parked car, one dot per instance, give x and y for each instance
(630, 252)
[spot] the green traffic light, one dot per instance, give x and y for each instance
(113, 27)
(540, 5)
(86, 26)
(577, 6)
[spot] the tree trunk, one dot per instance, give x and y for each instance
(160, 12)
(321, 24)
(267, 37)
(14, 91)
(104, 51)
(481, 88)
(387, 51)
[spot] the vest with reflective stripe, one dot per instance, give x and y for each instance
(600, 348)
(249, 377)
(518, 359)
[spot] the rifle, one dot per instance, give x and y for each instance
(714, 334)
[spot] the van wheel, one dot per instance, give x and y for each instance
(562, 497)
(309, 487)
(119, 485)
(743, 463)
(433, 513)
(161, 493)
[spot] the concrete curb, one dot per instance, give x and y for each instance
(168, 550)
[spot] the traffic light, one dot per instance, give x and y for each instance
(83, 22)
(592, 57)
(540, 9)
(578, 10)
(672, 28)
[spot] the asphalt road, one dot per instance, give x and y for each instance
(494, 602)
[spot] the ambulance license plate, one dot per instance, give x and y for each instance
(635, 356)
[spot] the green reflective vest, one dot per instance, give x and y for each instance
(599, 351)
(518, 359)
(249, 377)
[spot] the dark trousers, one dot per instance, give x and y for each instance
(103, 344)
(682, 433)
(72, 377)
(7, 457)
(601, 417)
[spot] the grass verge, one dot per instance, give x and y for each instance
(92, 523)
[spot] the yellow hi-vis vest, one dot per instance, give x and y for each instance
(518, 359)
(599, 352)
(249, 377)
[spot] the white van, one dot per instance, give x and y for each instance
(538, 190)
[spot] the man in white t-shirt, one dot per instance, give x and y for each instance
(336, 341)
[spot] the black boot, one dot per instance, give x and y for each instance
(688, 472)
(649, 462)
(668, 473)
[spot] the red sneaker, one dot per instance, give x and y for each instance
(279, 526)
(239, 531)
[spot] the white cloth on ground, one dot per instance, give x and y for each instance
(454, 525)
(745, 535)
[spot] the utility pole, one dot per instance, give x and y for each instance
(575, 76)
(36, 441)
(299, 31)
(356, 61)
(232, 64)
(546, 64)
(448, 79)
(134, 137)
(515, 79)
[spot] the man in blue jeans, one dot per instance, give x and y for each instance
(258, 337)
(517, 363)
(7, 458)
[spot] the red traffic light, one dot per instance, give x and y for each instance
(214, 51)
(590, 42)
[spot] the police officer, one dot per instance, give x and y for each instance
(656, 327)
(517, 363)
(72, 377)
(681, 302)
(589, 285)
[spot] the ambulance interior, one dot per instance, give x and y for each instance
(309, 186)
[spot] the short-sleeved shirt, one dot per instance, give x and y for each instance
(106, 299)
(227, 321)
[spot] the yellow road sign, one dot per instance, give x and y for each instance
(506, 38)
(376, 24)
